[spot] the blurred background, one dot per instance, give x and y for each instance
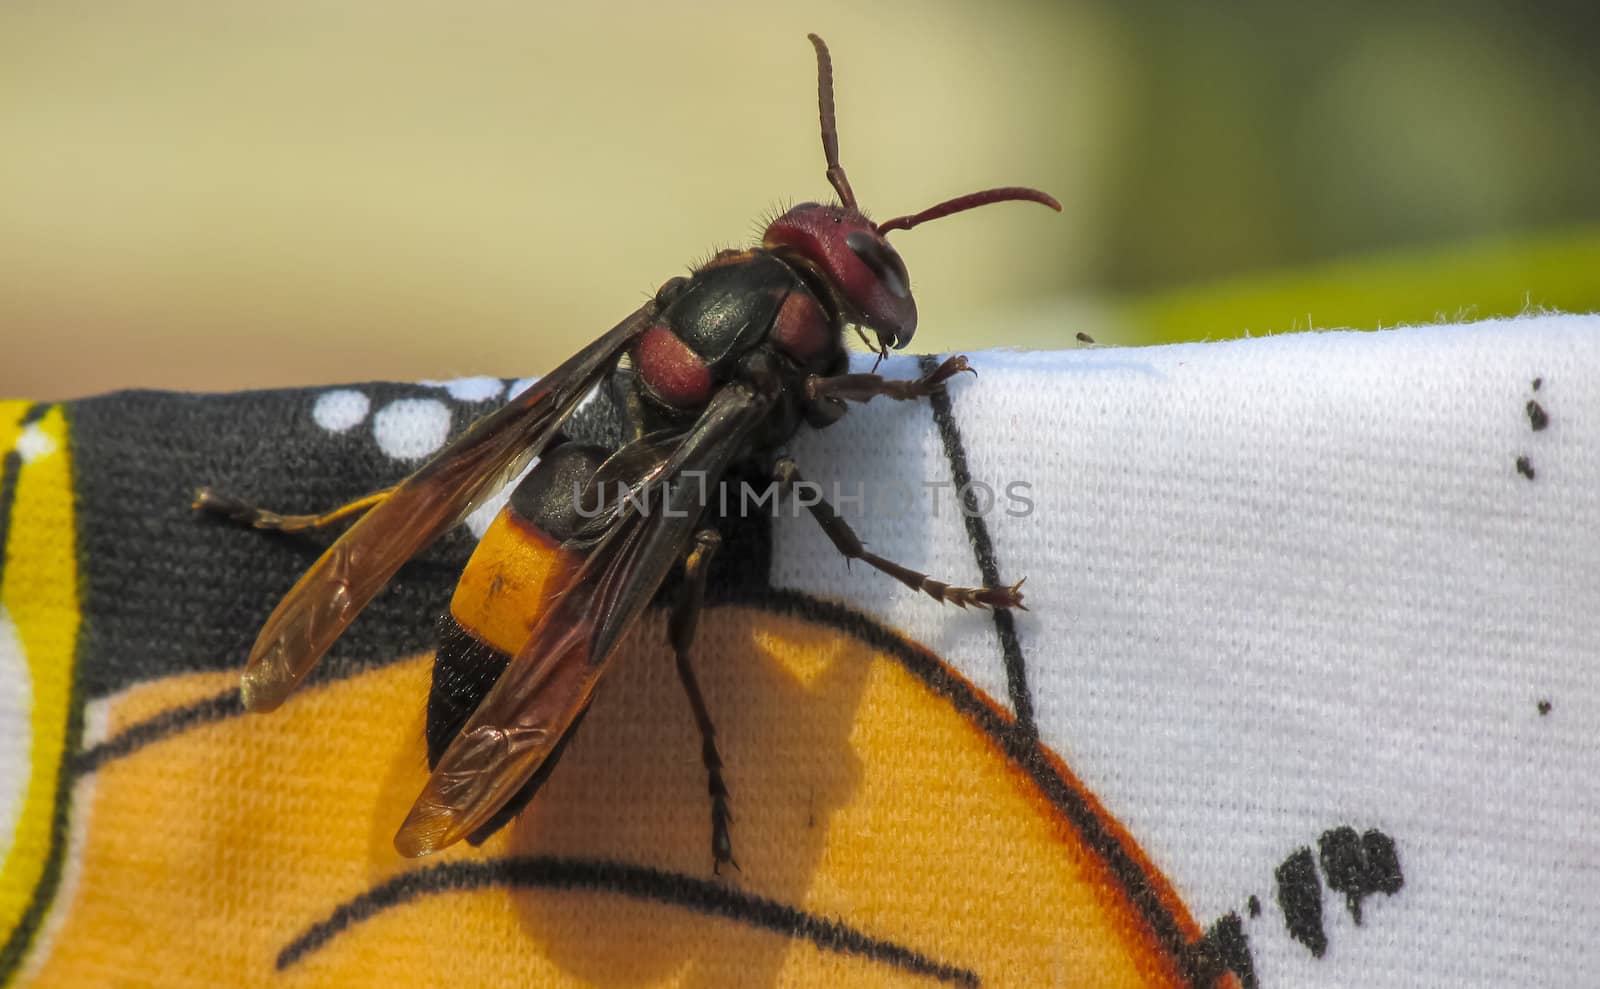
(217, 195)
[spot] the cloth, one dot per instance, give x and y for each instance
(1306, 694)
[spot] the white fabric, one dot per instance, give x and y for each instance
(16, 736)
(1281, 585)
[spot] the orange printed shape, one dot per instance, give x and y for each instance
(884, 838)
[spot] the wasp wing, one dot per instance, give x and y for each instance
(327, 598)
(551, 679)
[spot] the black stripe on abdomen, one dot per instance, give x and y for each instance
(465, 668)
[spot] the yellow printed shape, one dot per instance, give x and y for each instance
(39, 592)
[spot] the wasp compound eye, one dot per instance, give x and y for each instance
(893, 287)
(884, 261)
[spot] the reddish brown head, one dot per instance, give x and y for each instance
(850, 251)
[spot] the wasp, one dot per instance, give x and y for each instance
(717, 371)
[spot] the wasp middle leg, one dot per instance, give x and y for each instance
(245, 513)
(680, 631)
(847, 542)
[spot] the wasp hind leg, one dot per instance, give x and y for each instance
(847, 542)
(241, 512)
(680, 631)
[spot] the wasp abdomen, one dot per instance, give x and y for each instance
(548, 498)
(523, 559)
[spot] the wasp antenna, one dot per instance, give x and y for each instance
(830, 129)
(972, 200)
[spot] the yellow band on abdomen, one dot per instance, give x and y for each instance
(509, 581)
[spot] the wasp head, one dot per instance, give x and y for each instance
(865, 274)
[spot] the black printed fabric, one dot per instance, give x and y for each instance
(172, 591)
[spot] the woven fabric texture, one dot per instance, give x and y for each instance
(1306, 694)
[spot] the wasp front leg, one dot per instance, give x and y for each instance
(244, 513)
(866, 387)
(847, 542)
(680, 631)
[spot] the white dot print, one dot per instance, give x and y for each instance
(34, 443)
(341, 410)
(411, 428)
(479, 389)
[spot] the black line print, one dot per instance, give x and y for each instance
(988, 565)
(21, 936)
(1227, 949)
(10, 467)
(173, 721)
(701, 896)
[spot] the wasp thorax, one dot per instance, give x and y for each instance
(864, 274)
